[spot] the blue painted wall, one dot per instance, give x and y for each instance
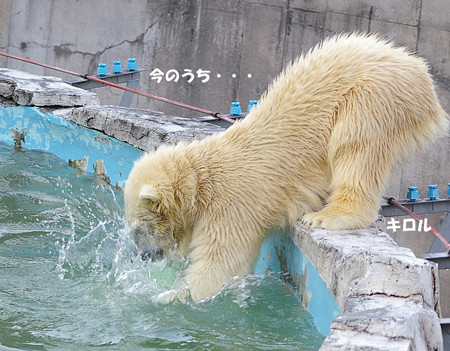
(68, 140)
(282, 258)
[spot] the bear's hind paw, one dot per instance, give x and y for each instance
(333, 220)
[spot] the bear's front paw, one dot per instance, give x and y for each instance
(313, 220)
(179, 293)
(334, 220)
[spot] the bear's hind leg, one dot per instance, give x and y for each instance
(358, 180)
(363, 147)
(348, 209)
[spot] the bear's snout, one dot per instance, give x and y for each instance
(150, 246)
(155, 254)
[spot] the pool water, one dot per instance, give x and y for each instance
(70, 280)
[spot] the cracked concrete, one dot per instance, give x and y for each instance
(389, 328)
(31, 90)
(144, 129)
(226, 38)
(389, 298)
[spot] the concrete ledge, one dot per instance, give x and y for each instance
(388, 328)
(31, 90)
(389, 298)
(143, 129)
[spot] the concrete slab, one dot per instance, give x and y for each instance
(444, 279)
(5, 17)
(401, 34)
(223, 38)
(31, 90)
(436, 42)
(385, 329)
(262, 50)
(434, 15)
(402, 12)
(316, 6)
(304, 30)
(345, 23)
(389, 298)
(431, 166)
(143, 129)
(207, 35)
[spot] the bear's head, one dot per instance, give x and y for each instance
(156, 204)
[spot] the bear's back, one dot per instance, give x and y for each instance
(312, 87)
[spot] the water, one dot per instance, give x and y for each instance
(69, 279)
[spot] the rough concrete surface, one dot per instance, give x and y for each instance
(389, 298)
(144, 129)
(241, 37)
(390, 329)
(32, 90)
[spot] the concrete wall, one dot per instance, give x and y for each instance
(239, 37)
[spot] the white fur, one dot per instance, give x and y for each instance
(323, 138)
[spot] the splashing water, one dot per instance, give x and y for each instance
(70, 279)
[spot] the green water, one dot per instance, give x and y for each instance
(69, 279)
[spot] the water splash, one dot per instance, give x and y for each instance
(70, 277)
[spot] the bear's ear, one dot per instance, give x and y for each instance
(149, 193)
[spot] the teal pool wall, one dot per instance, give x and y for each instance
(279, 256)
(68, 140)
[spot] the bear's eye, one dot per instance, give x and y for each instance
(155, 209)
(152, 211)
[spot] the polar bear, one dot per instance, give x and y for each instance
(319, 147)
